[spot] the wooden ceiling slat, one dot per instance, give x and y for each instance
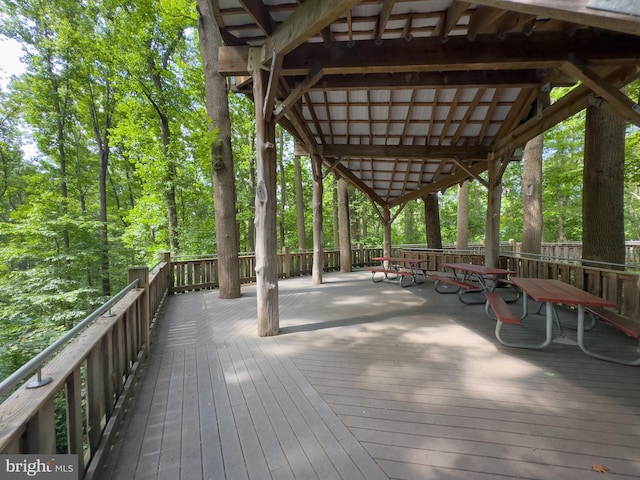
(450, 115)
(465, 119)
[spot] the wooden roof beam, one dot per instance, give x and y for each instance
(622, 105)
(443, 183)
(383, 18)
(487, 52)
(297, 93)
(574, 101)
(306, 21)
(451, 18)
(403, 151)
(574, 11)
(260, 14)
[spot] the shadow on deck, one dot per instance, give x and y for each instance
(369, 381)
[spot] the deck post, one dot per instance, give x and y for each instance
(265, 219)
(492, 239)
(141, 273)
(286, 262)
(318, 237)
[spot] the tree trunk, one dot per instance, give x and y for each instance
(432, 221)
(222, 156)
(336, 223)
(344, 226)
(494, 200)
(603, 195)
(462, 217)
(302, 240)
(251, 226)
(283, 189)
(266, 210)
(386, 239)
(532, 196)
(318, 239)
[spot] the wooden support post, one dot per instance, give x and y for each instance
(318, 237)
(266, 199)
(286, 262)
(492, 239)
(386, 219)
(142, 274)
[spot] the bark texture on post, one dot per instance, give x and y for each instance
(386, 244)
(462, 218)
(492, 239)
(344, 226)
(432, 221)
(532, 196)
(266, 210)
(224, 187)
(318, 238)
(302, 238)
(603, 195)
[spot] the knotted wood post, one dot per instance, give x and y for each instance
(494, 199)
(318, 237)
(266, 199)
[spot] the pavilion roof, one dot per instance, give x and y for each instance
(406, 97)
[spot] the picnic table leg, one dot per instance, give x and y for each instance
(548, 328)
(581, 329)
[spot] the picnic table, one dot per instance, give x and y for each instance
(469, 278)
(398, 268)
(552, 292)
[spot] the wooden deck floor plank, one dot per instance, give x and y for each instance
(371, 381)
(303, 390)
(575, 410)
(151, 442)
(210, 444)
(261, 406)
(303, 420)
(190, 452)
(234, 375)
(417, 376)
(588, 446)
(495, 427)
(329, 460)
(551, 417)
(169, 464)
(406, 447)
(232, 454)
(512, 397)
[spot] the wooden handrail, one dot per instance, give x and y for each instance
(90, 375)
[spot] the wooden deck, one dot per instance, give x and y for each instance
(370, 381)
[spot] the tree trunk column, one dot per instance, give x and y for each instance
(492, 239)
(386, 245)
(344, 226)
(318, 238)
(266, 209)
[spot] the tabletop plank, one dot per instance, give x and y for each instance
(557, 291)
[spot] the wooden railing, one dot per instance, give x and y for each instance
(89, 378)
(202, 273)
(91, 375)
